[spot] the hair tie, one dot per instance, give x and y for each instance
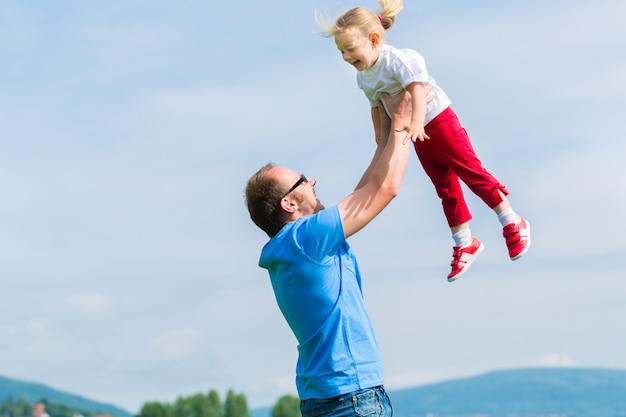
(380, 17)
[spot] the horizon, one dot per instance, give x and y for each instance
(391, 391)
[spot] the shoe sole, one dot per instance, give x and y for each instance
(480, 250)
(523, 252)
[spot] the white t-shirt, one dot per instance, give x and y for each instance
(394, 70)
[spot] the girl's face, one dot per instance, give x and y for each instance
(358, 50)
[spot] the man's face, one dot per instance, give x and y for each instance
(303, 194)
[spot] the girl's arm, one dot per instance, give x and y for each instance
(419, 102)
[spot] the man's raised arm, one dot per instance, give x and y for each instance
(382, 179)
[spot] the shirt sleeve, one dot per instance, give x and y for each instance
(321, 234)
(408, 67)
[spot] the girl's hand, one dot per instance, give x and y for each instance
(416, 132)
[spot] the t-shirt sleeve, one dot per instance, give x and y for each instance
(321, 233)
(409, 67)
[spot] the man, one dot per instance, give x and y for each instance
(315, 276)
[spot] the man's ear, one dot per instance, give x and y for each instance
(375, 38)
(288, 205)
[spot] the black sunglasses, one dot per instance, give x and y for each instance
(301, 180)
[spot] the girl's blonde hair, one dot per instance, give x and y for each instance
(363, 19)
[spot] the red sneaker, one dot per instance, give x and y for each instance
(517, 237)
(463, 257)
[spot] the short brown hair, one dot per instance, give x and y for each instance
(263, 197)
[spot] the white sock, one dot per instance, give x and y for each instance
(508, 216)
(463, 237)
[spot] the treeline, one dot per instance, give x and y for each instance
(198, 405)
(24, 408)
(210, 405)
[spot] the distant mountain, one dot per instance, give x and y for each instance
(562, 392)
(528, 392)
(524, 392)
(34, 392)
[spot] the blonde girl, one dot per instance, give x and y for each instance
(441, 143)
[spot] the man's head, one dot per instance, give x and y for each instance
(276, 196)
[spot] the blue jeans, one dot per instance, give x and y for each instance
(369, 402)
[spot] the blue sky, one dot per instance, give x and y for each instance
(128, 129)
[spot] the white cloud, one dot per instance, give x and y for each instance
(86, 305)
(555, 360)
(178, 343)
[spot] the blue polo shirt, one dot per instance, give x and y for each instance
(317, 285)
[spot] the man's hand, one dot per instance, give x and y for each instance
(400, 109)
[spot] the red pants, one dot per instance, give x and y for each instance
(449, 156)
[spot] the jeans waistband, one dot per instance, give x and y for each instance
(337, 399)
